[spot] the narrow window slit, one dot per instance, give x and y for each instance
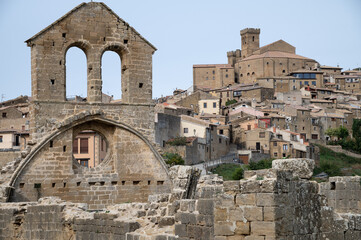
(53, 185)
(136, 182)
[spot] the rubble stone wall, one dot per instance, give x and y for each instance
(266, 205)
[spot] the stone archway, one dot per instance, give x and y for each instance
(134, 170)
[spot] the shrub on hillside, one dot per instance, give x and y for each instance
(238, 174)
(263, 164)
(173, 159)
(178, 141)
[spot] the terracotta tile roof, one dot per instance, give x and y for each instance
(249, 111)
(275, 54)
(212, 66)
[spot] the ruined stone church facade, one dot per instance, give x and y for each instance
(132, 168)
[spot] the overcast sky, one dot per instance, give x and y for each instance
(185, 33)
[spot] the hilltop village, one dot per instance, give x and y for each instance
(140, 168)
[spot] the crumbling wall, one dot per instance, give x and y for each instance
(343, 194)
(268, 204)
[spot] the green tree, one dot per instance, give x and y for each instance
(229, 102)
(238, 174)
(173, 159)
(263, 164)
(341, 132)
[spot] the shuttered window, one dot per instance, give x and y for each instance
(83, 145)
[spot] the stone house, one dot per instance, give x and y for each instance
(192, 101)
(280, 148)
(216, 145)
(257, 140)
(212, 76)
(306, 78)
(209, 105)
(300, 120)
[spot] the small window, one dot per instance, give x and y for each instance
(1, 138)
(283, 71)
(185, 130)
(140, 85)
(285, 147)
(275, 144)
(221, 131)
(4, 114)
(204, 105)
(214, 105)
(275, 154)
(262, 135)
(52, 81)
(314, 83)
(84, 145)
(226, 75)
(220, 140)
(213, 72)
(248, 127)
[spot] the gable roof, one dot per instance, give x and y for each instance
(76, 9)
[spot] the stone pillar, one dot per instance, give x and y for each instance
(94, 88)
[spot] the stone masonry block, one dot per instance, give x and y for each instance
(205, 206)
(263, 228)
(266, 199)
(224, 228)
(246, 199)
(220, 214)
(186, 218)
(242, 228)
(252, 213)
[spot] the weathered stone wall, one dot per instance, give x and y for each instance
(267, 204)
(94, 28)
(8, 156)
(125, 169)
(343, 193)
(132, 168)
